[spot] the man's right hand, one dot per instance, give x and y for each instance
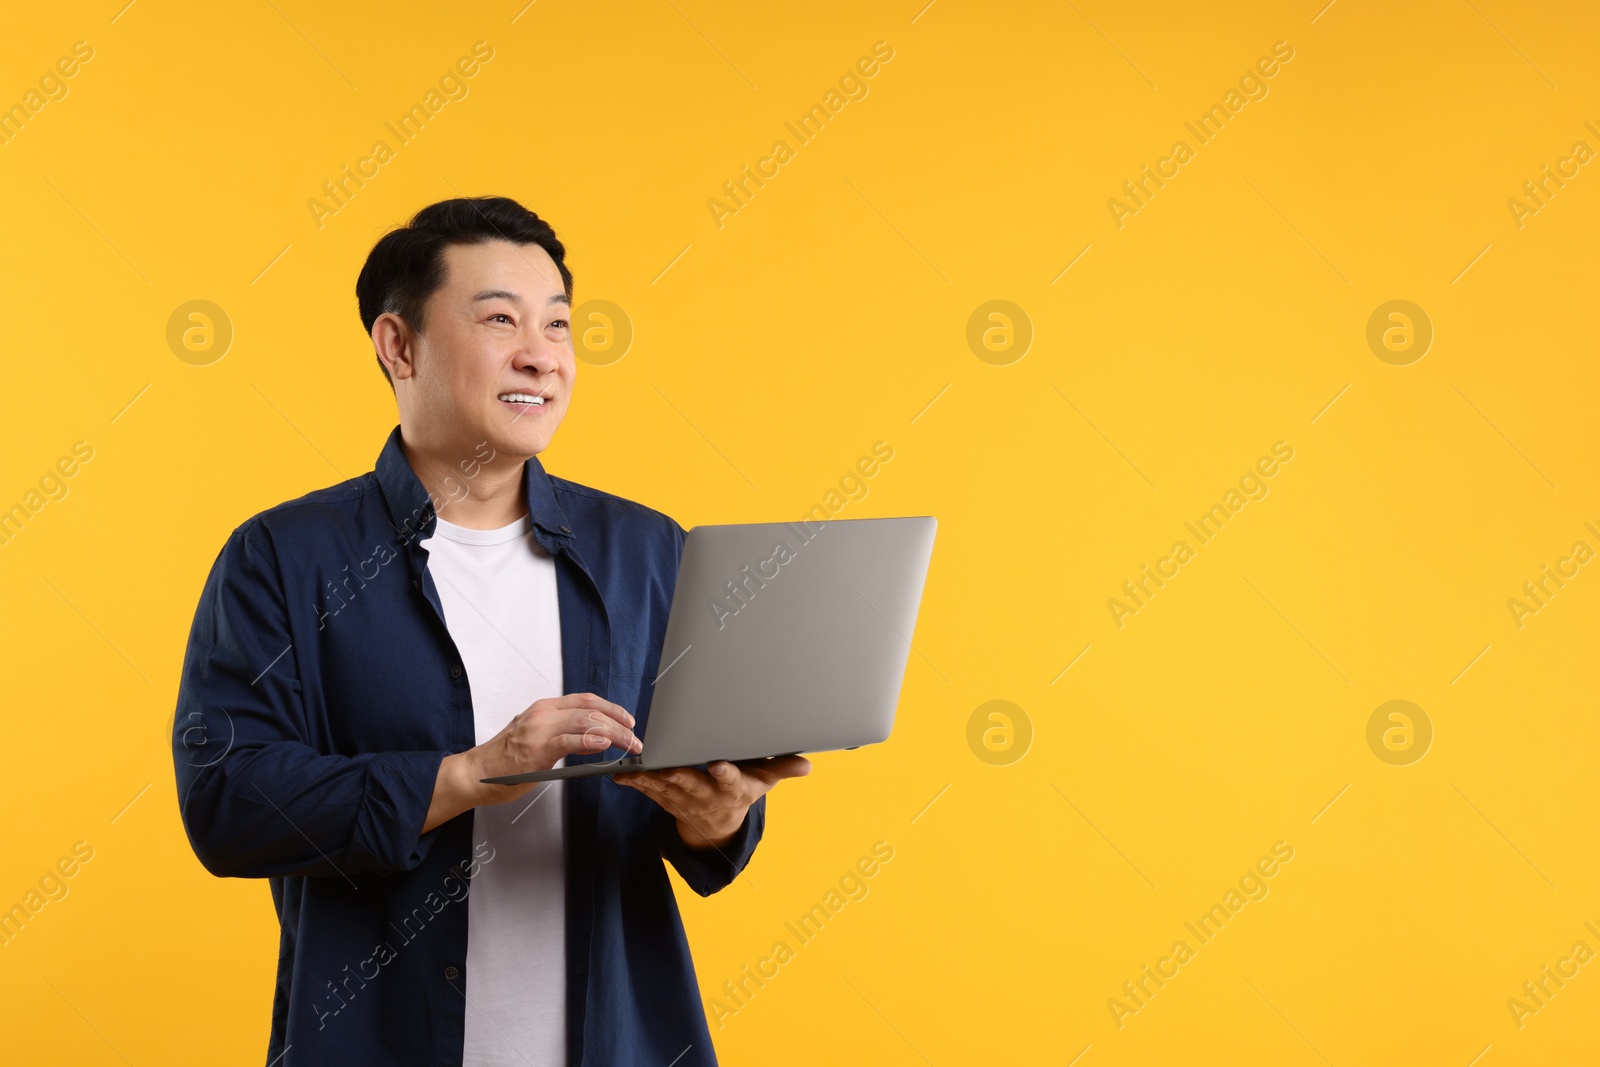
(540, 736)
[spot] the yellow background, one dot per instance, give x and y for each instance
(826, 315)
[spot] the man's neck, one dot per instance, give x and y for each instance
(468, 492)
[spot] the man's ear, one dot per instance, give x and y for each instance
(396, 344)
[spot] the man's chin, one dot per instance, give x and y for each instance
(520, 443)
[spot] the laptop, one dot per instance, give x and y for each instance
(783, 638)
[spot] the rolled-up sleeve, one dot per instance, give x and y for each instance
(257, 800)
(708, 870)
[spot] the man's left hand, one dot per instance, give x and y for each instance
(710, 807)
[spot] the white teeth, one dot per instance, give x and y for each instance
(522, 398)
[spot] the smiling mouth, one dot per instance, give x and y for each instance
(524, 404)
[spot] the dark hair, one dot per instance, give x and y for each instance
(406, 266)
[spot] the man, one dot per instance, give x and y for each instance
(361, 657)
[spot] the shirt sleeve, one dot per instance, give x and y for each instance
(256, 799)
(708, 870)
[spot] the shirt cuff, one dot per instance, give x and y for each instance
(707, 870)
(399, 791)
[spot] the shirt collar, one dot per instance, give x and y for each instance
(413, 513)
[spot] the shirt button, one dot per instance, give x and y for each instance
(416, 584)
(456, 871)
(450, 974)
(566, 529)
(455, 672)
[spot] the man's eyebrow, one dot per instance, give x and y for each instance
(506, 294)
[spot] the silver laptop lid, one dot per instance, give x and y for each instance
(787, 637)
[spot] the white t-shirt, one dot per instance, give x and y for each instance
(498, 588)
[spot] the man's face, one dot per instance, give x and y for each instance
(497, 327)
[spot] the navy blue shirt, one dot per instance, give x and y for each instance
(320, 692)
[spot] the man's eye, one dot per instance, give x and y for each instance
(562, 323)
(500, 315)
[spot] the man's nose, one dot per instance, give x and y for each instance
(540, 354)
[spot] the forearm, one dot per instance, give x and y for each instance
(455, 791)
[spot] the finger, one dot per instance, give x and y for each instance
(681, 791)
(727, 776)
(596, 721)
(594, 702)
(595, 737)
(644, 781)
(667, 796)
(769, 772)
(561, 745)
(691, 783)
